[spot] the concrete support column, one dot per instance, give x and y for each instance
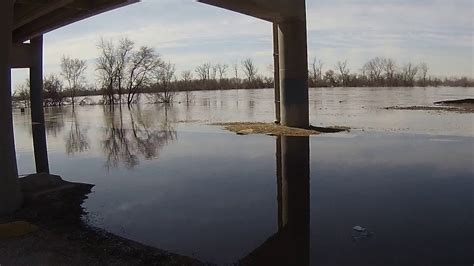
(292, 41)
(276, 76)
(37, 111)
(10, 196)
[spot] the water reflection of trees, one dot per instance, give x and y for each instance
(54, 122)
(142, 134)
(77, 140)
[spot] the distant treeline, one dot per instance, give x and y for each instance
(380, 72)
(125, 72)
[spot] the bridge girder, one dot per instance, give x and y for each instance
(269, 10)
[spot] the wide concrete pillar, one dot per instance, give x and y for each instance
(293, 54)
(37, 111)
(10, 196)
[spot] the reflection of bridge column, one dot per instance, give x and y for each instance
(37, 112)
(10, 197)
(291, 244)
(294, 196)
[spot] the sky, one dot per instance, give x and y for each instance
(188, 33)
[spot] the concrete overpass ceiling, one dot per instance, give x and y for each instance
(269, 10)
(36, 17)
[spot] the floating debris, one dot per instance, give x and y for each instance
(359, 228)
(360, 233)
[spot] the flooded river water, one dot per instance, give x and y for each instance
(164, 177)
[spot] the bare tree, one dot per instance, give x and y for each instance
(344, 72)
(204, 71)
(409, 72)
(139, 71)
(250, 69)
(187, 77)
(106, 67)
(53, 91)
(373, 69)
(214, 70)
(222, 69)
(423, 68)
(390, 70)
(330, 78)
(22, 93)
(236, 71)
(72, 70)
(125, 70)
(316, 70)
(164, 77)
(123, 53)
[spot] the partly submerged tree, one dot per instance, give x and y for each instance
(139, 71)
(187, 77)
(164, 75)
(53, 91)
(122, 69)
(72, 70)
(22, 93)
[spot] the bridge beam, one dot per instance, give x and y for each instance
(269, 10)
(10, 196)
(21, 55)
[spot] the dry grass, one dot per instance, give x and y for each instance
(247, 128)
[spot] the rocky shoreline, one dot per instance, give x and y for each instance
(48, 230)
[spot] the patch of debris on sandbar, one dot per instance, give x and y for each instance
(273, 129)
(458, 106)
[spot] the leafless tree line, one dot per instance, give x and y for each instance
(378, 72)
(125, 71)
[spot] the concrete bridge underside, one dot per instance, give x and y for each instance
(28, 20)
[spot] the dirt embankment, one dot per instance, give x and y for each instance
(248, 128)
(48, 230)
(458, 106)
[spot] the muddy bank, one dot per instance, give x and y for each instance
(48, 230)
(248, 128)
(458, 106)
(461, 102)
